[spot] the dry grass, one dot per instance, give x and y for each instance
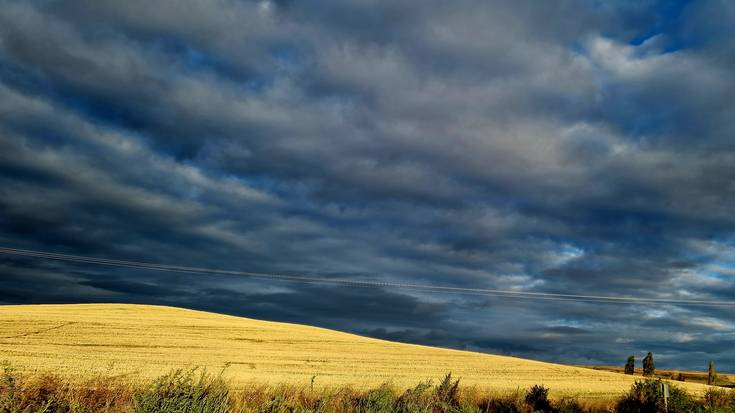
(79, 342)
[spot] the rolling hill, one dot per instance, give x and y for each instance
(139, 341)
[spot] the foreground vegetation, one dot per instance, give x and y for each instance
(79, 342)
(194, 391)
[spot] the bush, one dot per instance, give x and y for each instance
(537, 399)
(183, 392)
(681, 402)
(380, 400)
(415, 400)
(719, 400)
(646, 397)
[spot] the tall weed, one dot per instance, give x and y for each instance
(185, 391)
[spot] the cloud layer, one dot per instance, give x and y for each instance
(568, 147)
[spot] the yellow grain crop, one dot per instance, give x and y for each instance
(79, 341)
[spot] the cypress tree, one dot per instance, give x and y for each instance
(630, 365)
(649, 369)
(712, 374)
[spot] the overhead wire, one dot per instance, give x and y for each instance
(365, 283)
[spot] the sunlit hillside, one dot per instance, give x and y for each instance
(78, 341)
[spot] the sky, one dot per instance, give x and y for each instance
(572, 147)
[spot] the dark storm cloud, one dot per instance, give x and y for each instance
(570, 147)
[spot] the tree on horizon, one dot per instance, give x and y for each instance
(649, 368)
(630, 365)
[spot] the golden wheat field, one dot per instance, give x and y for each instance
(79, 341)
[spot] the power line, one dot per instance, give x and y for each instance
(363, 283)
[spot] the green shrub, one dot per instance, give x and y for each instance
(643, 397)
(681, 402)
(184, 392)
(646, 397)
(415, 400)
(380, 400)
(719, 401)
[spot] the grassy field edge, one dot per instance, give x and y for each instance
(195, 390)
